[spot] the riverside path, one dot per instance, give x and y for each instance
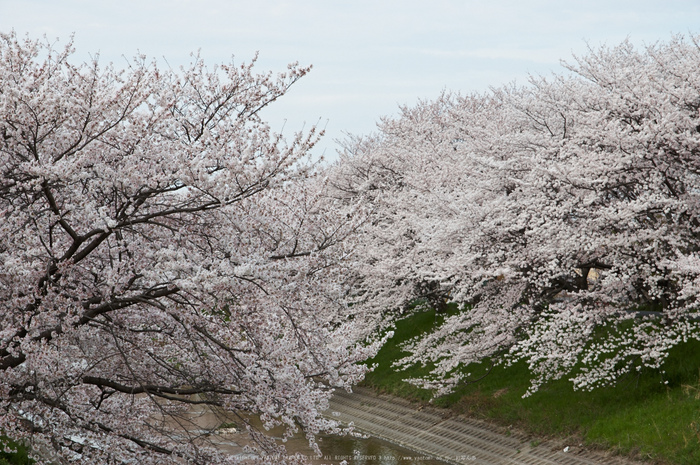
(455, 439)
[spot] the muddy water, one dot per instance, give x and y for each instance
(352, 450)
(369, 451)
(335, 449)
(201, 420)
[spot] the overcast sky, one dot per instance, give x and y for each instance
(369, 56)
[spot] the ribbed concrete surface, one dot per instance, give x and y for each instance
(456, 439)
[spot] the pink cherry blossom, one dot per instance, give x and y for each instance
(562, 215)
(162, 249)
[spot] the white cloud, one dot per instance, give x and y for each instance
(368, 55)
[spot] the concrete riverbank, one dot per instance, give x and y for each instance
(455, 439)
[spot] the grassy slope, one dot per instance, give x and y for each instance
(640, 416)
(13, 458)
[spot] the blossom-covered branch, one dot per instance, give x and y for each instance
(161, 247)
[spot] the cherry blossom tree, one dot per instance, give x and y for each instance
(563, 215)
(161, 249)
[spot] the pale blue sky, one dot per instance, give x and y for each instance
(369, 56)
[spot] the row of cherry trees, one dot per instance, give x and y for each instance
(161, 249)
(563, 214)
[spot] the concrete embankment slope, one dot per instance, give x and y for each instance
(455, 439)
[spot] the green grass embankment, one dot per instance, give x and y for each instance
(640, 416)
(18, 457)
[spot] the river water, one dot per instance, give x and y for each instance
(370, 451)
(335, 449)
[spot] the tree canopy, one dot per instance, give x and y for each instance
(562, 215)
(160, 248)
